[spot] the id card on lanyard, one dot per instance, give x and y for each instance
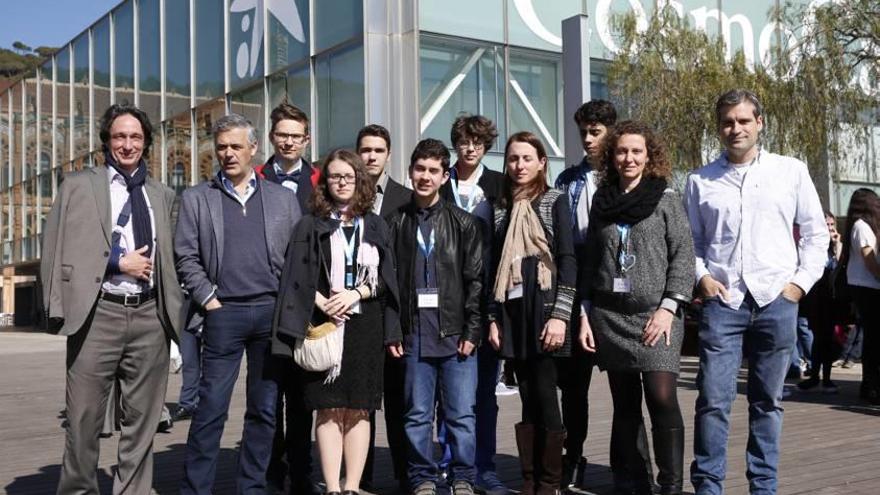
(348, 249)
(472, 203)
(428, 297)
(625, 261)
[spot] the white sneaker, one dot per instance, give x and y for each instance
(501, 390)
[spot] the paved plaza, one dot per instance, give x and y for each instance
(831, 444)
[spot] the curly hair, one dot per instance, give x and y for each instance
(321, 203)
(658, 165)
(475, 127)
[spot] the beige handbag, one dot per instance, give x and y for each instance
(321, 349)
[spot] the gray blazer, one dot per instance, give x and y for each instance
(198, 243)
(76, 248)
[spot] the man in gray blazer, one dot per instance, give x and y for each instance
(109, 284)
(232, 234)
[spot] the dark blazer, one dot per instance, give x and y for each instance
(299, 280)
(304, 187)
(198, 243)
(395, 196)
(459, 256)
(76, 248)
(491, 182)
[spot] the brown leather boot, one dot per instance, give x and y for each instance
(551, 463)
(525, 444)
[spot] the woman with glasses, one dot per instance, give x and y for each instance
(339, 270)
(532, 299)
(638, 275)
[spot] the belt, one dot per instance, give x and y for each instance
(129, 300)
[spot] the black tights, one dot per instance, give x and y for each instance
(660, 395)
(537, 390)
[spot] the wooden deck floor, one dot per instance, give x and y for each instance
(831, 444)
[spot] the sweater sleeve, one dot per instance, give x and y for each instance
(680, 248)
(563, 255)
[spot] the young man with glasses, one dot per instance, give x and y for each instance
(287, 166)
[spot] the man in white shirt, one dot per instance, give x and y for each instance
(751, 274)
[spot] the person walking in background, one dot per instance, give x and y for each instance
(863, 276)
(638, 276)
(751, 274)
(340, 270)
(824, 312)
(232, 234)
(533, 295)
(112, 290)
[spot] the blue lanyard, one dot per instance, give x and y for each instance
(454, 182)
(426, 250)
(348, 247)
(579, 184)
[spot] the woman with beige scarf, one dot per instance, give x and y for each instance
(532, 301)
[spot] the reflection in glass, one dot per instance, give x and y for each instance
(45, 131)
(62, 107)
(123, 27)
(337, 21)
(288, 33)
(536, 97)
(209, 49)
(16, 220)
(249, 103)
(17, 130)
(480, 92)
(206, 115)
(101, 69)
(246, 28)
(292, 87)
(81, 111)
(30, 129)
(148, 59)
(339, 77)
(4, 144)
(178, 147)
(177, 82)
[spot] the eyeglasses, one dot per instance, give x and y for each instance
(295, 138)
(337, 178)
(478, 146)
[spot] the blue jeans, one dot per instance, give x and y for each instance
(488, 367)
(191, 352)
(804, 347)
(229, 332)
(770, 336)
(457, 380)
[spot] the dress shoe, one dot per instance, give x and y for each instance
(180, 413)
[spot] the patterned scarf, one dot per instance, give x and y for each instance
(525, 237)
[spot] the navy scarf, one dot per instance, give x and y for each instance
(140, 212)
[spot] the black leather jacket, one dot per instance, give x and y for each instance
(458, 251)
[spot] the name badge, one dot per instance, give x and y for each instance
(515, 292)
(622, 285)
(349, 279)
(428, 298)
(356, 308)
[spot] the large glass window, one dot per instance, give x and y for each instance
(539, 24)
(81, 111)
(15, 95)
(536, 97)
(460, 77)
(481, 20)
(31, 134)
(249, 103)
(178, 149)
(246, 29)
(101, 69)
(4, 144)
(288, 33)
(206, 115)
(337, 21)
(123, 27)
(339, 77)
(62, 107)
(148, 59)
(177, 47)
(46, 138)
(293, 87)
(209, 49)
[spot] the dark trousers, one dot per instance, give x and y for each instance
(121, 343)
(229, 332)
(537, 390)
(868, 305)
(191, 352)
(573, 377)
(393, 405)
(292, 443)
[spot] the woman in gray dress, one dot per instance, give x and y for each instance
(638, 275)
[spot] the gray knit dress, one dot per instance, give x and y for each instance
(664, 267)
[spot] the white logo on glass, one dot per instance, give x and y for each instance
(287, 14)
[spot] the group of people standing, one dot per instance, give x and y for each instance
(427, 289)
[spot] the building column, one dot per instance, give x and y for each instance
(575, 80)
(9, 290)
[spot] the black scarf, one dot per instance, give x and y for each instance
(610, 204)
(140, 212)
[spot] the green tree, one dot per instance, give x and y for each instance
(21, 48)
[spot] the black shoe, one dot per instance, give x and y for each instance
(180, 413)
(164, 425)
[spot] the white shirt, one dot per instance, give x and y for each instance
(122, 283)
(856, 271)
(293, 186)
(248, 190)
(743, 219)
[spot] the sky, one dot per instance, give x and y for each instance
(48, 22)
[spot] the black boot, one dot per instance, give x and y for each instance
(630, 458)
(525, 444)
(573, 472)
(550, 473)
(669, 454)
